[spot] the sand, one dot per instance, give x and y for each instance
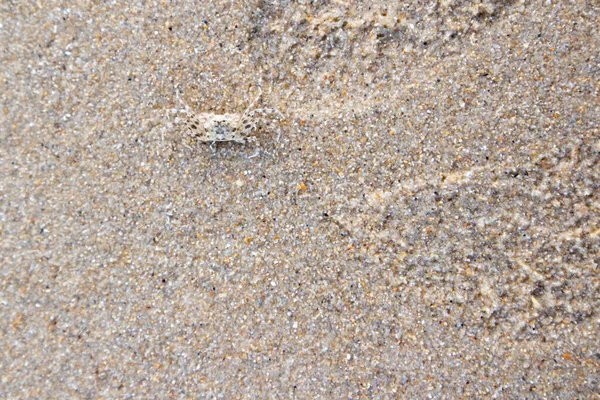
(424, 223)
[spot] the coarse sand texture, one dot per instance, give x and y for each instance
(300, 199)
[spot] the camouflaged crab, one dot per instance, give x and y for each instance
(213, 128)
